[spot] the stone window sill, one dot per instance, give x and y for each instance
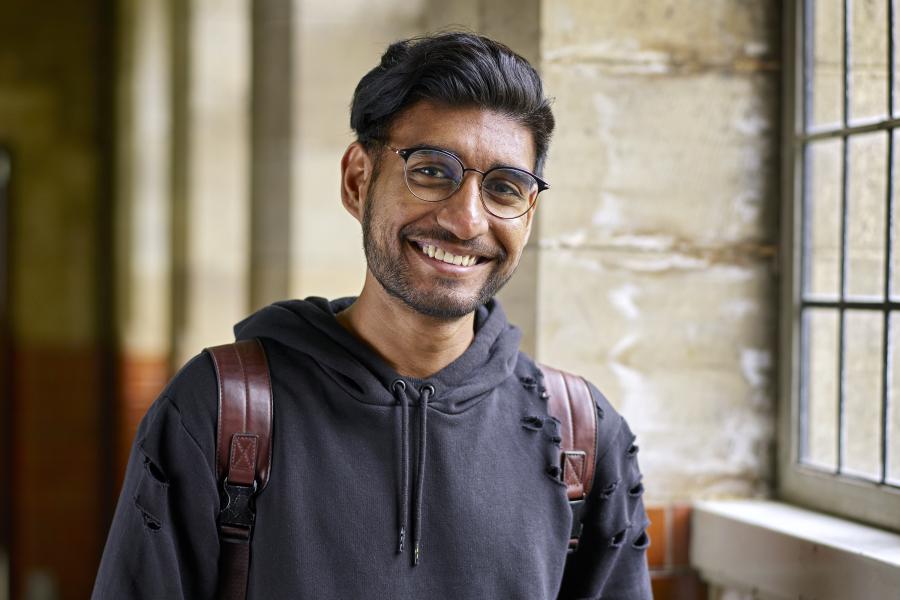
(776, 550)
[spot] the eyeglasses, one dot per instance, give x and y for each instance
(434, 175)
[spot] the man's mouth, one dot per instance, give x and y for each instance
(438, 253)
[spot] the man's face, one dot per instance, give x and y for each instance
(400, 231)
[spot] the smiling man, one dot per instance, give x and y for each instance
(452, 134)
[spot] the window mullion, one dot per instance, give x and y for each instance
(842, 290)
(886, 400)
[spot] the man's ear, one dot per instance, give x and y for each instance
(356, 176)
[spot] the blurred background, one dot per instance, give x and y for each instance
(719, 167)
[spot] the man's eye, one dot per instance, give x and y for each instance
(431, 171)
(502, 188)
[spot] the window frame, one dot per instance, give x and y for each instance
(871, 502)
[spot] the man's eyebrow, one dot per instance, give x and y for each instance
(427, 146)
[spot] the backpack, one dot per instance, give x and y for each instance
(244, 449)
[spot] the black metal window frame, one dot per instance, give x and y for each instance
(875, 500)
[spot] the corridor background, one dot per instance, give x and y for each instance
(174, 165)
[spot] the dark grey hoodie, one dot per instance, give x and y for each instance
(367, 470)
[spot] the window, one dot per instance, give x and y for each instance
(840, 384)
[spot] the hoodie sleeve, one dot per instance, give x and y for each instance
(611, 561)
(163, 541)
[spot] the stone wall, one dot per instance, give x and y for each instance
(657, 245)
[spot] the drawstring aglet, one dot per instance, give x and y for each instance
(402, 540)
(416, 555)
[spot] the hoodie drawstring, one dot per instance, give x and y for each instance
(426, 392)
(398, 387)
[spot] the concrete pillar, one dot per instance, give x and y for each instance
(145, 167)
(214, 266)
(272, 143)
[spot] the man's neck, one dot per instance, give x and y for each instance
(415, 345)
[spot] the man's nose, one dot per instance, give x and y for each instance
(462, 213)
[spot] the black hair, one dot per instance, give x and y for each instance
(456, 69)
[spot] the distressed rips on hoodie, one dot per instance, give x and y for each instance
(490, 521)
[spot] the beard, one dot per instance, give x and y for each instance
(444, 299)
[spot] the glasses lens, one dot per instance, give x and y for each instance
(509, 193)
(432, 175)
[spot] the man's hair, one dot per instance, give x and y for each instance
(455, 69)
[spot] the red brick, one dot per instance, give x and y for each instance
(681, 535)
(656, 553)
(141, 379)
(58, 466)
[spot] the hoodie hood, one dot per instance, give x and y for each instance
(310, 327)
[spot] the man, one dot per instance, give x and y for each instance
(413, 456)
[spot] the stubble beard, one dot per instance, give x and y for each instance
(388, 265)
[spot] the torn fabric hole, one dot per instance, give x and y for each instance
(616, 540)
(554, 473)
(642, 542)
(607, 491)
(155, 472)
(150, 497)
(636, 490)
(150, 522)
(529, 383)
(532, 423)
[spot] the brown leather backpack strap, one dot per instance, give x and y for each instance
(243, 454)
(573, 405)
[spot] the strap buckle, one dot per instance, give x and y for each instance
(239, 511)
(577, 507)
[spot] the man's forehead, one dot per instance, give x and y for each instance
(474, 133)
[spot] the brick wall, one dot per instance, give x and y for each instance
(59, 483)
(668, 556)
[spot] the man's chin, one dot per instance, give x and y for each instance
(445, 307)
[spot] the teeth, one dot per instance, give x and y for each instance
(447, 257)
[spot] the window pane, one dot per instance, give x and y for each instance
(862, 392)
(827, 67)
(895, 220)
(896, 65)
(868, 59)
(865, 215)
(820, 381)
(823, 218)
(894, 379)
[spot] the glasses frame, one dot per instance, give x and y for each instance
(405, 153)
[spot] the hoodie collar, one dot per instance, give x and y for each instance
(310, 327)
